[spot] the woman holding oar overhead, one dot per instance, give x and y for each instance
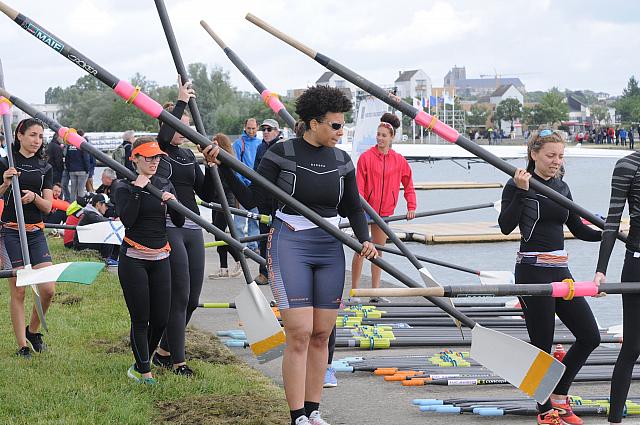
(181, 167)
(306, 264)
(144, 269)
(381, 170)
(542, 259)
(625, 187)
(36, 182)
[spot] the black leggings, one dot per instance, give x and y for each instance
(221, 223)
(630, 350)
(187, 272)
(146, 286)
(332, 345)
(539, 313)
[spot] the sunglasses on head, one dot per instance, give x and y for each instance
(546, 132)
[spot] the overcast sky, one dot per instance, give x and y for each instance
(573, 44)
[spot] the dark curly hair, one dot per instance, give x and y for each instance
(317, 101)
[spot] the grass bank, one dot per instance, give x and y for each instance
(82, 378)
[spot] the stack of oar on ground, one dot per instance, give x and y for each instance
(522, 406)
(456, 368)
(422, 325)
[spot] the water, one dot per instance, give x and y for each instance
(589, 180)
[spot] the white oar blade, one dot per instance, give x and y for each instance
(497, 278)
(530, 369)
(616, 329)
(109, 232)
(430, 282)
(264, 333)
(497, 205)
(82, 272)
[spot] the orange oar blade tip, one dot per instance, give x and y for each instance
(385, 371)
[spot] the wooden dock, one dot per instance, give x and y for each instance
(480, 231)
(455, 185)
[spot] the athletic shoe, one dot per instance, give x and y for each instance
(162, 361)
(236, 270)
(35, 339)
(551, 418)
(303, 420)
(149, 381)
(111, 262)
(566, 413)
(24, 352)
(376, 300)
(222, 273)
(183, 370)
(316, 419)
(354, 300)
(261, 279)
(134, 374)
(330, 380)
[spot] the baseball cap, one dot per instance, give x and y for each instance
(99, 197)
(270, 122)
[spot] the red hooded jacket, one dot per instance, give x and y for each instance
(379, 177)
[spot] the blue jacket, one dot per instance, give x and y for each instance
(76, 160)
(245, 148)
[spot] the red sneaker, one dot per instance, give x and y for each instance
(551, 418)
(566, 413)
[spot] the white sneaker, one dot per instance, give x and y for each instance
(222, 273)
(236, 270)
(303, 420)
(316, 419)
(354, 300)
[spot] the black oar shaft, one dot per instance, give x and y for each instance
(429, 260)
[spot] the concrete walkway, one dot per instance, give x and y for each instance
(362, 398)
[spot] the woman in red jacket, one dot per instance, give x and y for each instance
(380, 172)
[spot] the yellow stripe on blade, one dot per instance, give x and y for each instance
(536, 373)
(268, 344)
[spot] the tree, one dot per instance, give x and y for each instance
(509, 110)
(477, 115)
(599, 113)
(53, 95)
(628, 106)
(552, 108)
(632, 88)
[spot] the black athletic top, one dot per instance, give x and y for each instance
(143, 215)
(35, 175)
(625, 187)
(322, 178)
(540, 219)
(182, 168)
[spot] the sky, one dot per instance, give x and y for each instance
(568, 44)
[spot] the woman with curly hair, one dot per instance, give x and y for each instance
(306, 264)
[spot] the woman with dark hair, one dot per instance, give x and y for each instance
(143, 265)
(181, 167)
(36, 183)
(625, 188)
(218, 219)
(306, 264)
(542, 259)
(381, 170)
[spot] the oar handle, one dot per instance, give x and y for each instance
(282, 36)
(398, 292)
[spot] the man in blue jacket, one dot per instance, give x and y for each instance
(78, 164)
(245, 148)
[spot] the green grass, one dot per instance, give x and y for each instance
(82, 378)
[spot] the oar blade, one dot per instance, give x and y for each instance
(82, 272)
(497, 205)
(104, 232)
(530, 369)
(497, 278)
(430, 282)
(264, 333)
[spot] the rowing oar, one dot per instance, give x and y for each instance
(430, 122)
(103, 232)
(532, 370)
(486, 277)
(264, 333)
(566, 290)
(262, 218)
(242, 240)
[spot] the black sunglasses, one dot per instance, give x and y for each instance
(334, 125)
(267, 129)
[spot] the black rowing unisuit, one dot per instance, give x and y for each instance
(182, 168)
(36, 175)
(144, 215)
(540, 219)
(322, 178)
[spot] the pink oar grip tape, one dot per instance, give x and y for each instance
(141, 100)
(272, 101)
(580, 289)
(69, 135)
(5, 105)
(441, 129)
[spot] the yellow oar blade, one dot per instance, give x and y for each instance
(530, 369)
(264, 333)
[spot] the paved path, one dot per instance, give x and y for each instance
(362, 398)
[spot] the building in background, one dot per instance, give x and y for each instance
(415, 84)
